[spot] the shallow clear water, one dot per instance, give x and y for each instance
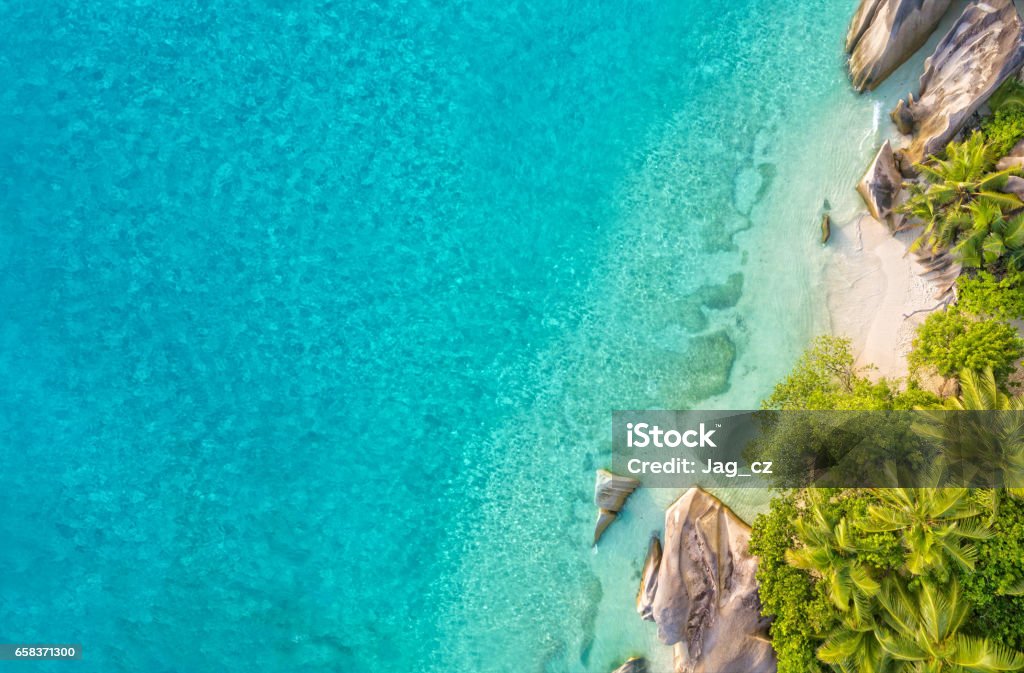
(314, 315)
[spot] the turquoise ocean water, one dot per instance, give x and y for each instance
(313, 314)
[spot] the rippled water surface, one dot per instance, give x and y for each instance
(314, 313)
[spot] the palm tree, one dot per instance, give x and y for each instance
(951, 186)
(980, 392)
(851, 648)
(989, 234)
(982, 444)
(827, 549)
(935, 524)
(923, 634)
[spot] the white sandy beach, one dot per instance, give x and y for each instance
(874, 289)
(871, 281)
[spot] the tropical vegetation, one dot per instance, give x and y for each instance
(844, 435)
(1005, 127)
(893, 580)
(890, 580)
(826, 377)
(960, 202)
(985, 295)
(870, 578)
(954, 340)
(984, 444)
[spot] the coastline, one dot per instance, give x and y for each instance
(878, 288)
(871, 280)
(876, 295)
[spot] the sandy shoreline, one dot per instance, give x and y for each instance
(874, 289)
(870, 281)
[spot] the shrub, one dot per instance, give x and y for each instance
(826, 377)
(801, 612)
(952, 341)
(801, 600)
(984, 295)
(998, 570)
(1003, 129)
(805, 447)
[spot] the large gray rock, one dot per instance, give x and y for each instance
(881, 185)
(1014, 185)
(610, 493)
(706, 605)
(634, 665)
(982, 49)
(885, 33)
(649, 580)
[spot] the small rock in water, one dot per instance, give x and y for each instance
(610, 493)
(634, 665)
(604, 519)
(649, 580)
(611, 490)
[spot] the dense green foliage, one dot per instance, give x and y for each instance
(953, 340)
(888, 580)
(981, 449)
(799, 606)
(850, 441)
(985, 295)
(826, 377)
(922, 629)
(991, 236)
(898, 580)
(1004, 128)
(936, 527)
(998, 576)
(961, 205)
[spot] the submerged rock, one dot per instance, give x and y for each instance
(703, 367)
(982, 49)
(706, 603)
(610, 493)
(634, 665)
(885, 33)
(724, 295)
(649, 580)
(881, 185)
